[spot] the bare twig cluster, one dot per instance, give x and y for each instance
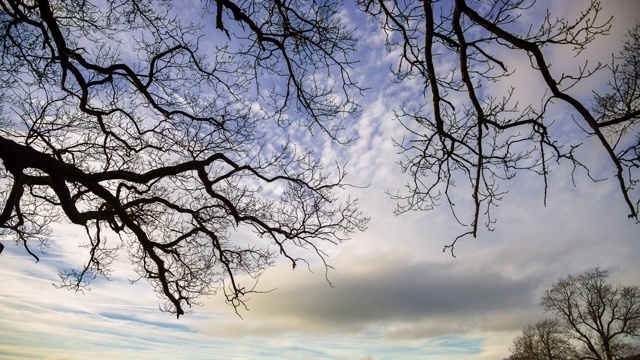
(126, 117)
(471, 131)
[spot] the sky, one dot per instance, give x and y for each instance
(394, 293)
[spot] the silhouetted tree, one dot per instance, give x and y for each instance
(545, 340)
(594, 320)
(599, 316)
(472, 129)
(169, 128)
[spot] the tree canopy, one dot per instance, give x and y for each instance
(601, 317)
(471, 129)
(594, 319)
(545, 340)
(131, 117)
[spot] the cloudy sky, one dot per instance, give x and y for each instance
(395, 294)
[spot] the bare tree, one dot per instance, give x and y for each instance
(599, 316)
(545, 340)
(473, 130)
(170, 129)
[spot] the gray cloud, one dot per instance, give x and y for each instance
(396, 300)
(415, 291)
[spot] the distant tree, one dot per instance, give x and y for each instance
(545, 340)
(470, 129)
(599, 316)
(172, 128)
